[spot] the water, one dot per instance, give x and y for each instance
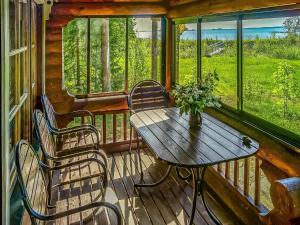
(231, 34)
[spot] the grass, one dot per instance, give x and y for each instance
(258, 91)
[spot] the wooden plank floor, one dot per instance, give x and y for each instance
(169, 203)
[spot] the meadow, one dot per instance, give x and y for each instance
(265, 95)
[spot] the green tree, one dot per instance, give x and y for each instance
(180, 28)
(285, 86)
(106, 82)
(292, 25)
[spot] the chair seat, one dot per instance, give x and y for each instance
(88, 217)
(67, 195)
(76, 141)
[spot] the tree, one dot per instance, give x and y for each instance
(285, 85)
(180, 28)
(78, 58)
(154, 48)
(292, 25)
(105, 69)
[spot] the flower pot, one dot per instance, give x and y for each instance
(195, 120)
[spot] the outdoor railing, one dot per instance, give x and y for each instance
(114, 128)
(247, 177)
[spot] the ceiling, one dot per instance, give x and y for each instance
(171, 8)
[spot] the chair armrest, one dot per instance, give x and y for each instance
(79, 113)
(80, 209)
(85, 127)
(73, 155)
(75, 163)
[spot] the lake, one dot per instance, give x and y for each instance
(231, 34)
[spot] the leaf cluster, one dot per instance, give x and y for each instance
(194, 97)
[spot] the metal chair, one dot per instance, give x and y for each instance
(35, 193)
(50, 149)
(146, 95)
(48, 146)
(63, 134)
(51, 114)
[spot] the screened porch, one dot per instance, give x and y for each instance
(101, 82)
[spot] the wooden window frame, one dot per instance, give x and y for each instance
(281, 135)
(125, 91)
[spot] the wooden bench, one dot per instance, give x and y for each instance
(73, 200)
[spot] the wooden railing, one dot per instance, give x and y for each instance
(114, 128)
(247, 177)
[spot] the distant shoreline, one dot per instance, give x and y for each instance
(231, 34)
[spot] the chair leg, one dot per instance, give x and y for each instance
(49, 190)
(130, 143)
(139, 154)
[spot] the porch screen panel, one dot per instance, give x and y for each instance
(107, 67)
(110, 55)
(75, 56)
(144, 49)
(219, 53)
(271, 70)
(186, 53)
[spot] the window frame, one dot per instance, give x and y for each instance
(163, 23)
(281, 135)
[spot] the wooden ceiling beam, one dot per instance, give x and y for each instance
(108, 9)
(110, 1)
(209, 7)
(173, 3)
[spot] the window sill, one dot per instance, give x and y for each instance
(276, 133)
(101, 95)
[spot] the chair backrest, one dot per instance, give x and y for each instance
(147, 94)
(32, 181)
(49, 111)
(44, 134)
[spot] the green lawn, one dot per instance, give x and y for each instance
(258, 92)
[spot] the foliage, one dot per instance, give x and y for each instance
(285, 85)
(261, 59)
(195, 97)
(139, 54)
(292, 25)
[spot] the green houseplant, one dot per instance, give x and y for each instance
(193, 98)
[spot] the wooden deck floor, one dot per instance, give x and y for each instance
(169, 203)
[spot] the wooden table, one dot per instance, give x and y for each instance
(171, 139)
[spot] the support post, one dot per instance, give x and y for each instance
(169, 54)
(4, 87)
(43, 69)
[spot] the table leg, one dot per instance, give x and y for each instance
(210, 213)
(158, 182)
(139, 155)
(198, 183)
(195, 174)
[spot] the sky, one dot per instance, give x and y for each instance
(144, 27)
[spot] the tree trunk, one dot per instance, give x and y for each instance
(154, 48)
(77, 61)
(105, 67)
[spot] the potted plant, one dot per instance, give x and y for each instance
(193, 98)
